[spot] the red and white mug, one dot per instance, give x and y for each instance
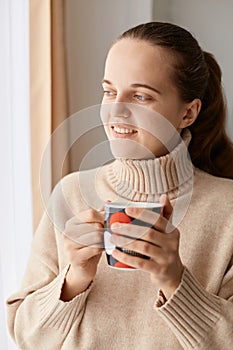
(115, 212)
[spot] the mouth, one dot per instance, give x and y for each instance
(123, 131)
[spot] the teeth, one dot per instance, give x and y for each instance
(123, 130)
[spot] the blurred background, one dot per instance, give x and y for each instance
(51, 66)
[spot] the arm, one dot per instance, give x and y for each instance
(200, 320)
(37, 318)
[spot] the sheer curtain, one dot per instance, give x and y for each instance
(48, 106)
(33, 103)
(16, 215)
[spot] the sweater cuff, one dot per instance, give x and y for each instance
(191, 312)
(55, 313)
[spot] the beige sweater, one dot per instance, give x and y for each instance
(118, 311)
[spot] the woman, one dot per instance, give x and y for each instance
(181, 298)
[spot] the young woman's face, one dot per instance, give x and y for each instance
(140, 74)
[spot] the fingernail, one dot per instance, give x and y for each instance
(115, 226)
(162, 198)
(112, 239)
(132, 210)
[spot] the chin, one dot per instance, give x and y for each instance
(129, 149)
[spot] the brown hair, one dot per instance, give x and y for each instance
(196, 75)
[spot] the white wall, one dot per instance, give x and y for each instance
(16, 212)
(91, 27)
(211, 22)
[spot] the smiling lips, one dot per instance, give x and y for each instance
(123, 131)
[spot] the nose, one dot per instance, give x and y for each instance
(120, 109)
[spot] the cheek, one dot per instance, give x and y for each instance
(105, 113)
(153, 144)
(107, 130)
(149, 140)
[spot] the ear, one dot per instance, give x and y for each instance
(191, 112)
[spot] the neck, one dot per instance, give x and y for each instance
(146, 179)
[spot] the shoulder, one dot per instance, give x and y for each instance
(212, 199)
(71, 182)
(212, 180)
(79, 189)
(215, 188)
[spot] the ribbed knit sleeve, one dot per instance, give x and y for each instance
(199, 320)
(43, 321)
(54, 312)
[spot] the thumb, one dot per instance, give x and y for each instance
(101, 209)
(167, 209)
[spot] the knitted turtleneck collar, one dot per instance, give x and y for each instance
(146, 180)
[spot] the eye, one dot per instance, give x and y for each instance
(108, 93)
(141, 98)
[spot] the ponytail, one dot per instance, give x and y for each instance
(210, 149)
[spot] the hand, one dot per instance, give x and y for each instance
(162, 247)
(83, 244)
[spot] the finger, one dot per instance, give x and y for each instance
(167, 208)
(149, 235)
(143, 232)
(101, 210)
(148, 216)
(74, 231)
(158, 221)
(141, 247)
(85, 254)
(88, 239)
(89, 216)
(134, 261)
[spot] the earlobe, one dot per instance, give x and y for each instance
(192, 110)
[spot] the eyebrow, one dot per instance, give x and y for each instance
(136, 85)
(147, 87)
